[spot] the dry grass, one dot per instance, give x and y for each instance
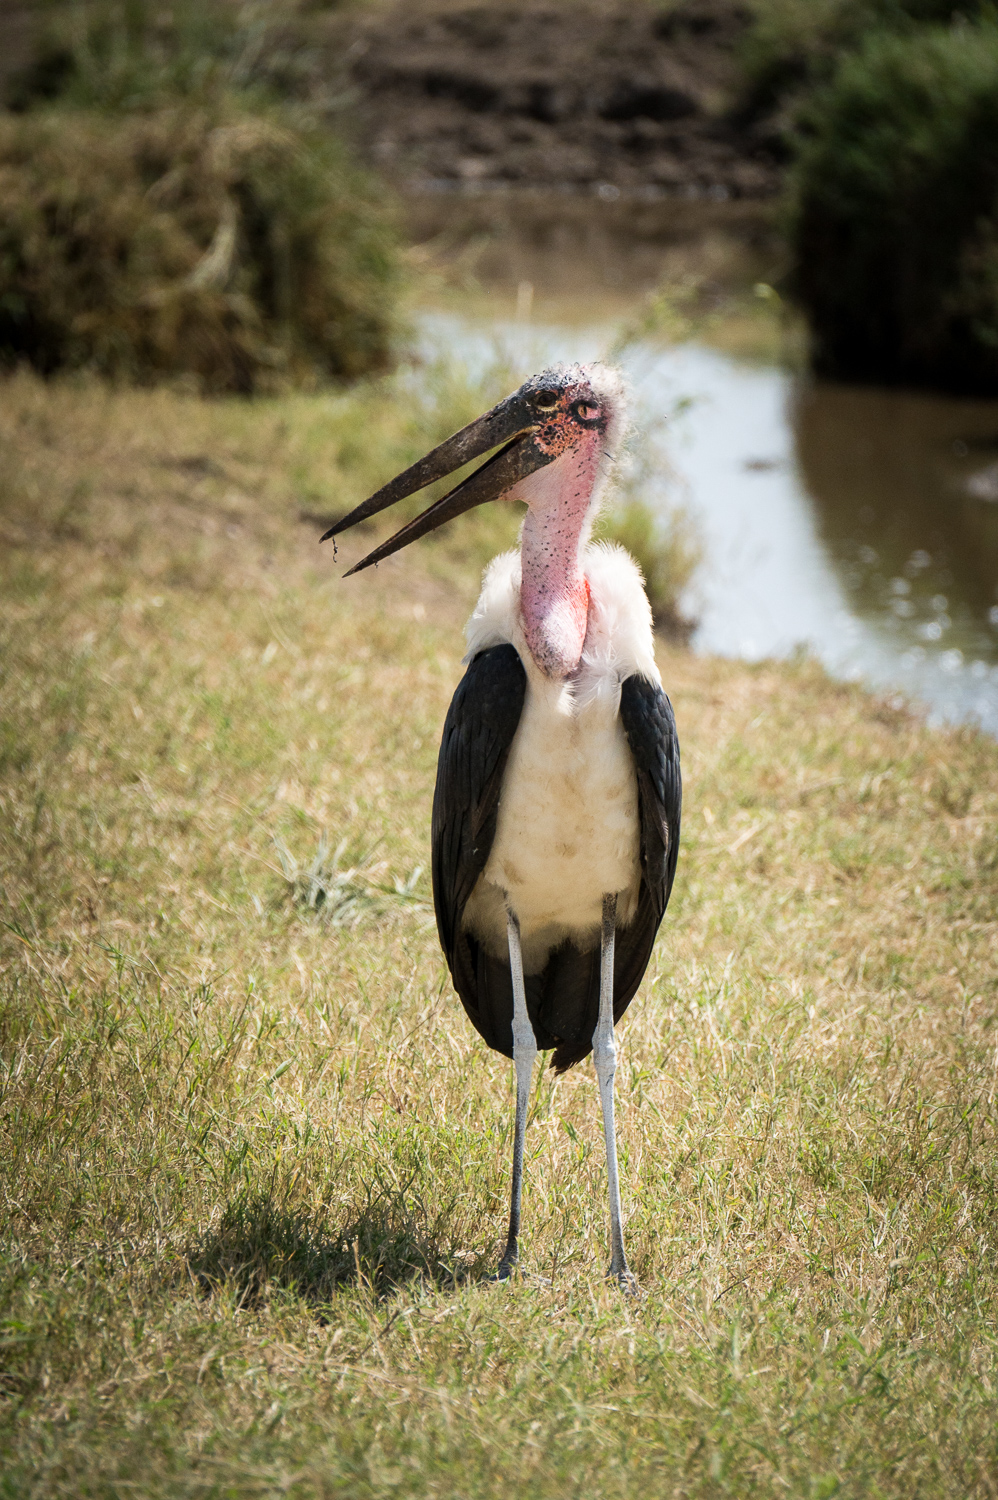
(254, 1163)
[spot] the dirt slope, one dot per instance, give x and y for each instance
(592, 96)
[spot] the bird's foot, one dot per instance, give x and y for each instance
(625, 1279)
(505, 1272)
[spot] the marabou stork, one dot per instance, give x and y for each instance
(557, 802)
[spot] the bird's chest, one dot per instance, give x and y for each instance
(568, 819)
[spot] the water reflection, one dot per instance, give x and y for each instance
(901, 489)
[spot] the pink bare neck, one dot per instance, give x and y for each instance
(554, 595)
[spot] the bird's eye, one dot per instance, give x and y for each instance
(546, 400)
(586, 411)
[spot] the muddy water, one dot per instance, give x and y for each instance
(860, 525)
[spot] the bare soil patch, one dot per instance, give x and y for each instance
(611, 98)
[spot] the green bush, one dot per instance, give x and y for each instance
(895, 213)
(792, 45)
(195, 239)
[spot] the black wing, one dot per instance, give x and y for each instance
(650, 726)
(478, 731)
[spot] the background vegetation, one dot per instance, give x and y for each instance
(793, 45)
(886, 109)
(228, 246)
(165, 210)
(895, 221)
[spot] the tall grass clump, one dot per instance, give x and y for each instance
(203, 240)
(165, 210)
(895, 213)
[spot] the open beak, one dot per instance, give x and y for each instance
(512, 423)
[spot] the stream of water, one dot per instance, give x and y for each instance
(859, 525)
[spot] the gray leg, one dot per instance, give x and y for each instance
(605, 1058)
(524, 1052)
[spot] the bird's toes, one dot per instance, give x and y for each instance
(626, 1280)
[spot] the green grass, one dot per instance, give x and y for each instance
(254, 1161)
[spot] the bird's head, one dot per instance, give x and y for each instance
(568, 412)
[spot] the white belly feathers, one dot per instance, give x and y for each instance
(568, 828)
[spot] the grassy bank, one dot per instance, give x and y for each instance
(254, 1161)
(175, 203)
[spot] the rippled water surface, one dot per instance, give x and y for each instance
(859, 524)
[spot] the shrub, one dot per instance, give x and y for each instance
(792, 44)
(196, 239)
(895, 213)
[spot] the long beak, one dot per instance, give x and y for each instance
(512, 422)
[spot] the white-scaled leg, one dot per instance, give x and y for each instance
(605, 1058)
(524, 1052)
